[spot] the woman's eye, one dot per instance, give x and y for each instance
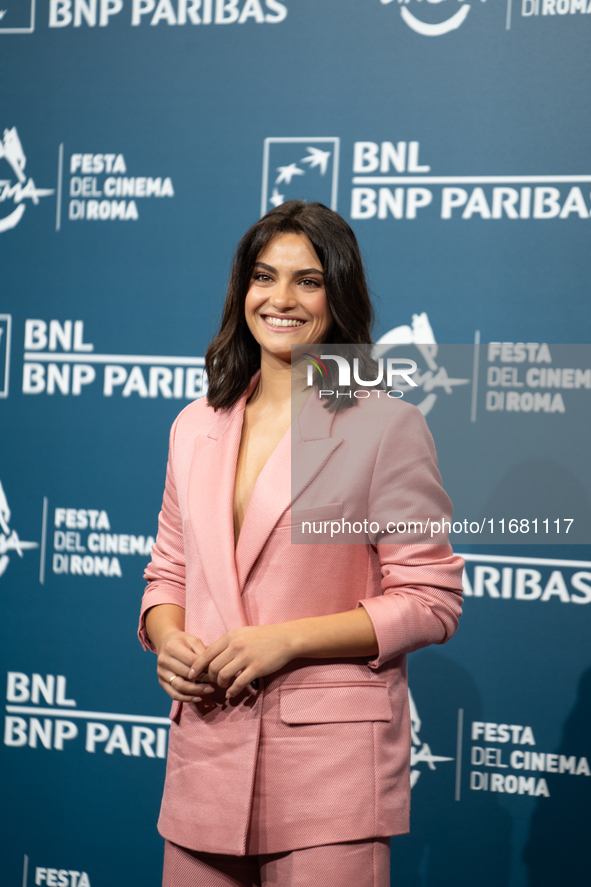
(261, 276)
(310, 281)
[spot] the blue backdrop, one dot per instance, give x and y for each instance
(140, 138)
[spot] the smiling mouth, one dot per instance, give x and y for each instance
(283, 321)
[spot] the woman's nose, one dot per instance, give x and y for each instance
(282, 296)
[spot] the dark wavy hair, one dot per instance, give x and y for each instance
(234, 354)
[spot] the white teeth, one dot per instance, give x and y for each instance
(283, 321)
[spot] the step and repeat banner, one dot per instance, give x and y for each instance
(138, 140)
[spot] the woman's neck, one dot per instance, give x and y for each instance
(274, 390)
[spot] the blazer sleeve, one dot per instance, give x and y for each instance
(166, 571)
(421, 582)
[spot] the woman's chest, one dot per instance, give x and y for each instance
(257, 443)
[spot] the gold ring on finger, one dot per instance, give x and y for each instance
(171, 679)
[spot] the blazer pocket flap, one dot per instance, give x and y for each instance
(325, 704)
(175, 710)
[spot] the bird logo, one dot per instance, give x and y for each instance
(316, 157)
(286, 173)
(298, 168)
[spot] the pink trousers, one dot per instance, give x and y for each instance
(354, 864)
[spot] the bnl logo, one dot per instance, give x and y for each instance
(5, 325)
(300, 168)
(17, 16)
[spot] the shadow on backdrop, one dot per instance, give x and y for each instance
(450, 842)
(542, 489)
(558, 850)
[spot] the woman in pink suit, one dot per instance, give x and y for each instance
(289, 749)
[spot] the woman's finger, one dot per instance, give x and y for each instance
(168, 665)
(188, 688)
(176, 656)
(195, 644)
(185, 691)
(241, 681)
(180, 697)
(179, 683)
(227, 673)
(224, 667)
(202, 663)
(182, 651)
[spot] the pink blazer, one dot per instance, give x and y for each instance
(320, 753)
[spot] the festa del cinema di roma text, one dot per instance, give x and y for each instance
(389, 182)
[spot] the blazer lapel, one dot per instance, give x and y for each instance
(210, 503)
(307, 446)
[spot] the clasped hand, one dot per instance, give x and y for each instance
(231, 662)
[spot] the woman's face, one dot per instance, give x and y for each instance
(286, 301)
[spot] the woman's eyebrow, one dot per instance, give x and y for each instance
(302, 271)
(308, 271)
